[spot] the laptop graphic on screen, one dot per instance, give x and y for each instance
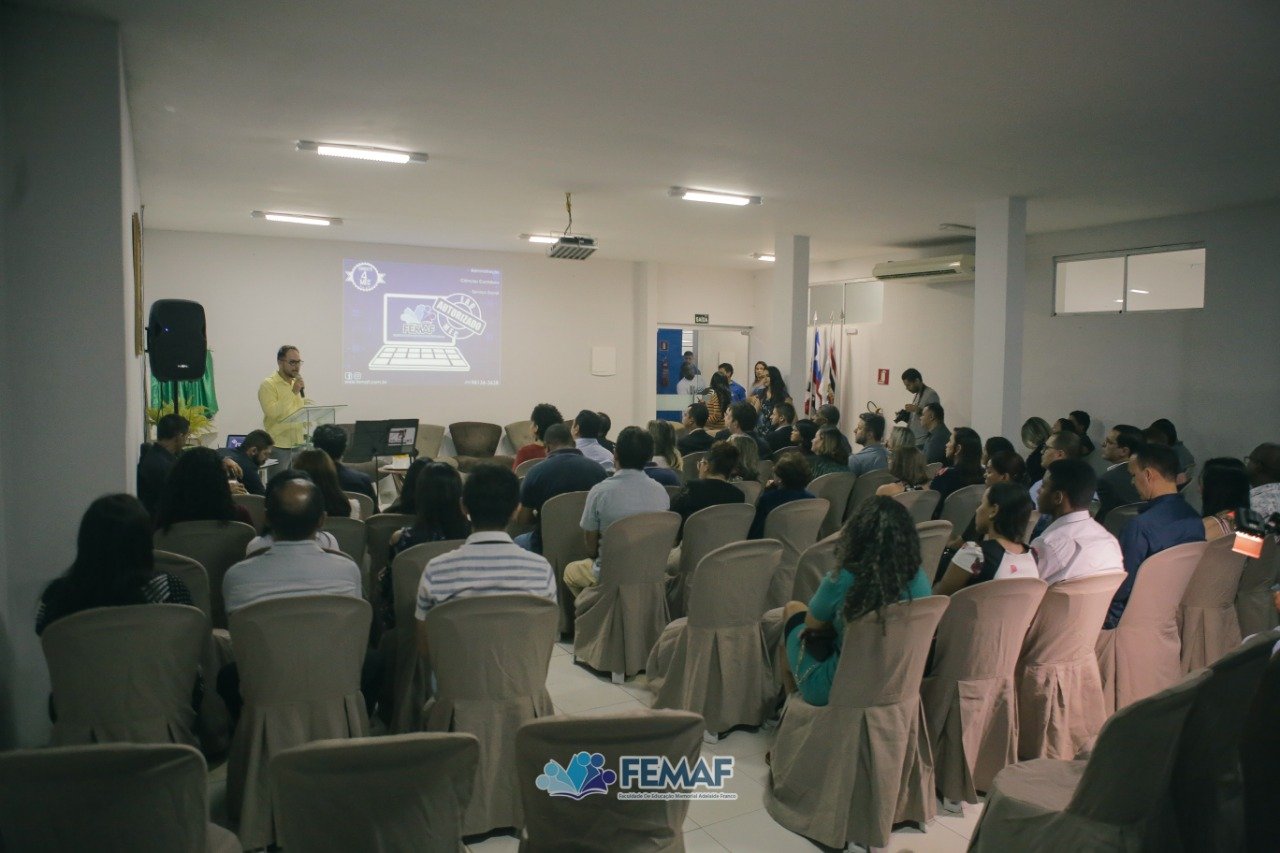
(412, 338)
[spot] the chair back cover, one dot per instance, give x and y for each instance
(352, 536)
(1207, 619)
(618, 621)
(864, 489)
(933, 469)
(920, 503)
(562, 543)
(256, 506)
(401, 792)
(970, 695)
(1060, 704)
(118, 798)
(818, 560)
(836, 488)
(849, 770)
(216, 545)
(715, 663)
(1142, 654)
(378, 530)
(525, 467)
(934, 536)
(490, 655)
(689, 464)
(192, 575)
(411, 681)
(299, 660)
(519, 433)
(475, 438)
(706, 530)
(750, 489)
(1255, 602)
(1117, 518)
(603, 822)
(764, 471)
(1032, 521)
(961, 505)
(126, 673)
(429, 439)
(795, 524)
(368, 508)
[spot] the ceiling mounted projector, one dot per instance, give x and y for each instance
(572, 248)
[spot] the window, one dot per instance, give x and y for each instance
(1165, 278)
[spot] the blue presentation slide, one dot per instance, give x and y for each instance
(420, 324)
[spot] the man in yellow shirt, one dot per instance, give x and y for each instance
(280, 395)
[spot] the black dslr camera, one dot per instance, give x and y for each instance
(902, 417)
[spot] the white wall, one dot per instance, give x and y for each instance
(65, 380)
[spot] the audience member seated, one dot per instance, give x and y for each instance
(696, 438)
(741, 420)
(1162, 431)
(757, 383)
(1073, 545)
(564, 470)
(1081, 421)
(964, 453)
(936, 433)
(586, 436)
(712, 486)
(869, 432)
(1059, 445)
(717, 400)
(781, 423)
(665, 464)
(1004, 466)
(1000, 521)
(1115, 486)
(993, 445)
(324, 539)
(827, 456)
(879, 565)
(628, 492)
(158, 458)
(803, 433)
(737, 394)
(1263, 465)
(332, 440)
(775, 395)
(1155, 527)
(198, 490)
(544, 416)
(320, 468)
(748, 457)
(790, 476)
(908, 470)
(252, 453)
(828, 415)
(113, 566)
(606, 424)
(900, 436)
(404, 502)
(1035, 432)
(1224, 488)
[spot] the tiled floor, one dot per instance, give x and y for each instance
(740, 825)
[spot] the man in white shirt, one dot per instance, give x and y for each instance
(1074, 545)
(586, 430)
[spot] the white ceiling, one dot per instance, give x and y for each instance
(863, 124)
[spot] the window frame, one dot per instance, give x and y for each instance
(1123, 308)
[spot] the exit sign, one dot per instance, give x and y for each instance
(701, 319)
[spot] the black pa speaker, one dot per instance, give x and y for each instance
(176, 340)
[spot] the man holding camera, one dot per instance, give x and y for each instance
(924, 395)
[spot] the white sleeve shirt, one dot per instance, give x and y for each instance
(1075, 546)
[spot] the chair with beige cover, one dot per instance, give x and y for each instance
(920, 503)
(847, 771)
(378, 530)
(299, 659)
(714, 662)
(795, 524)
(192, 575)
(934, 536)
(523, 469)
(490, 655)
(933, 469)
(403, 792)
(428, 441)
(689, 464)
(1032, 521)
(706, 530)
(352, 536)
(1060, 704)
(961, 505)
(476, 443)
(519, 433)
(108, 798)
(970, 696)
(216, 545)
(256, 506)
(836, 488)
(152, 655)
(1207, 620)
(410, 680)
(764, 471)
(818, 559)
(864, 489)
(618, 620)
(562, 543)
(672, 491)
(603, 822)
(1142, 654)
(1112, 801)
(1120, 516)
(750, 489)
(368, 508)
(1255, 602)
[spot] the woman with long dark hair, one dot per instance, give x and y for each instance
(198, 490)
(775, 393)
(1000, 522)
(717, 399)
(114, 565)
(964, 452)
(757, 381)
(319, 466)
(1224, 488)
(802, 435)
(406, 503)
(879, 556)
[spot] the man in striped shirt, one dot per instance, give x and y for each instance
(489, 562)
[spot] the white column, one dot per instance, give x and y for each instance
(644, 308)
(789, 306)
(999, 294)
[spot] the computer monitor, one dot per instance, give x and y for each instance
(234, 441)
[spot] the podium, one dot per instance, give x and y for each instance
(313, 416)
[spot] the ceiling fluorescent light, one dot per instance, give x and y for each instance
(362, 152)
(714, 196)
(541, 238)
(1143, 292)
(768, 257)
(295, 218)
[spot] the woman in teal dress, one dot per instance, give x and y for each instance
(879, 565)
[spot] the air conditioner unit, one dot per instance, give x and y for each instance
(949, 268)
(572, 248)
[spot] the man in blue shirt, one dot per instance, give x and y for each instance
(1164, 523)
(737, 393)
(564, 470)
(869, 432)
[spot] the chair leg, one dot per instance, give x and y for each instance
(619, 678)
(953, 806)
(710, 737)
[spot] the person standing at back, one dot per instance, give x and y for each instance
(737, 393)
(923, 395)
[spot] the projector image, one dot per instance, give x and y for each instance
(572, 248)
